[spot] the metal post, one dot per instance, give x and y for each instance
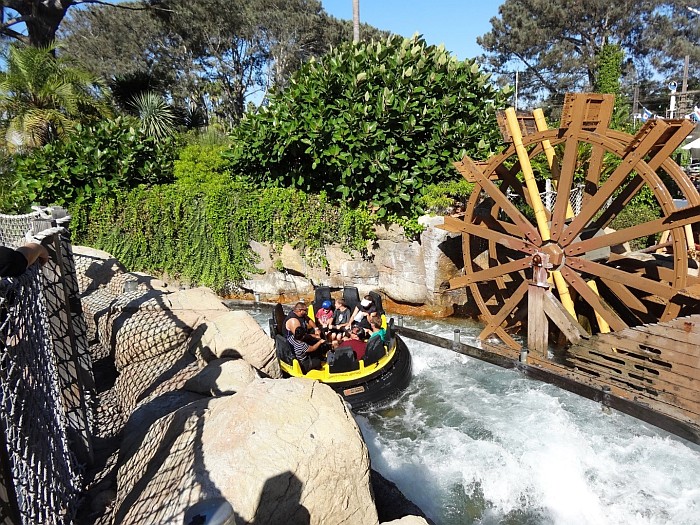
(457, 335)
(399, 321)
(605, 400)
(256, 297)
(523, 356)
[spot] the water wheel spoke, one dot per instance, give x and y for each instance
(501, 226)
(633, 156)
(593, 299)
(566, 178)
(674, 220)
(671, 311)
(654, 270)
(623, 293)
(595, 162)
(622, 277)
(490, 273)
(510, 180)
(528, 230)
(483, 232)
(618, 203)
(495, 322)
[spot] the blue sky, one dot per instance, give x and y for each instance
(456, 23)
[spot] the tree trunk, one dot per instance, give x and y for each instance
(355, 21)
(42, 20)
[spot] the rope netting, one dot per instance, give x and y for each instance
(14, 228)
(43, 469)
(46, 384)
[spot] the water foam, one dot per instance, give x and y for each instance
(473, 443)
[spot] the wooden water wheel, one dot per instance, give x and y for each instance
(523, 259)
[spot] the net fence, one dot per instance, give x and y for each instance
(13, 228)
(43, 470)
(549, 197)
(46, 385)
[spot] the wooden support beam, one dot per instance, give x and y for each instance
(537, 324)
(559, 315)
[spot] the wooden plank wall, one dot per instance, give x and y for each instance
(656, 364)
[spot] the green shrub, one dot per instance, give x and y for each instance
(95, 161)
(202, 233)
(445, 197)
(200, 164)
(634, 214)
(371, 122)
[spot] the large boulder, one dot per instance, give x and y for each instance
(222, 377)
(145, 334)
(280, 452)
(96, 304)
(94, 268)
(402, 271)
(407, 520)
(299, 455)
(201, 300)
(237, 334)
(156, 478)
(142, 379)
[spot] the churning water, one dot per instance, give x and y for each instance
(470, 442)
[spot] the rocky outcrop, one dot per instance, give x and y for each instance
(261, 465)
(407, 520)
(412, 274)
(205, 418)
(237, 334)
(222, 377)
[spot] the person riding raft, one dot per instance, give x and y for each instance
(299, 329)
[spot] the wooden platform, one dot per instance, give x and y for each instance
(657, 364)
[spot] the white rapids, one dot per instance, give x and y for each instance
(470, 442)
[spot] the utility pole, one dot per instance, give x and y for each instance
(355, 21)
(683, 101)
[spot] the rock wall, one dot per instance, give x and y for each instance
(200, 414)
(412, 275)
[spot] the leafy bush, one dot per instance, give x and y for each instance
(200, 163)
(201, 233)
(634, 214)
(445, 197)
(96, 161)
(372, 122)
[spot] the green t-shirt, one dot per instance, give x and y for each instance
(381, 333)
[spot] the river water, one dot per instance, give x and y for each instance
(472, 443)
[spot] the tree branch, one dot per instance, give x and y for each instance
(5, 30)
(119, 6)
(547, 84)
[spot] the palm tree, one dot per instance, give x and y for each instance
(42, 97)
(156, 115)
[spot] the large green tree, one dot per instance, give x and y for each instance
(372, 122)
(559, 42)
(210, 55)
(35, 22)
